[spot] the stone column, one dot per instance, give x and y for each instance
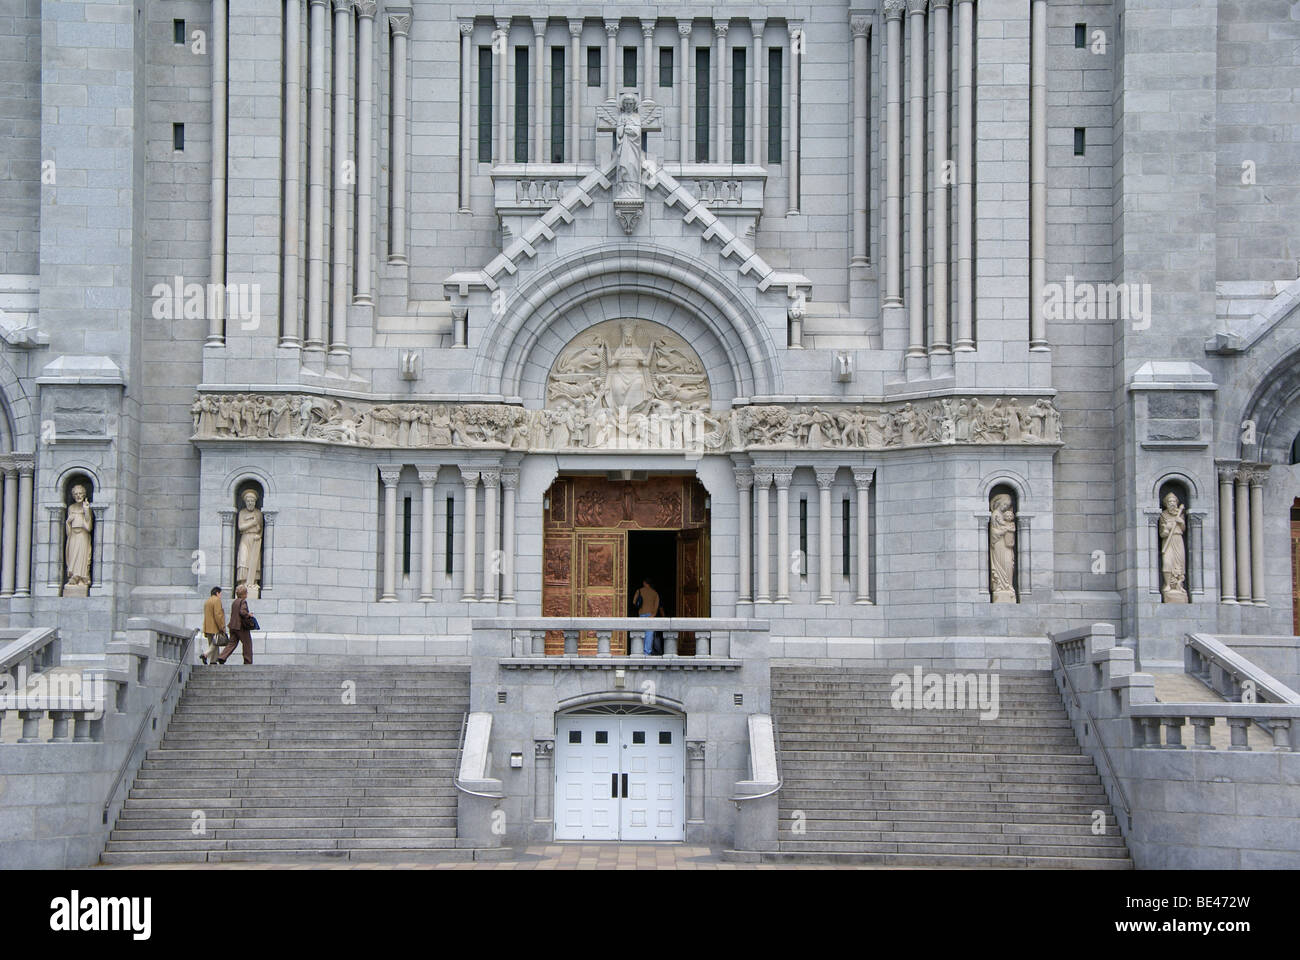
(470, 479)
(428, 476)
(965, 175)
(792, 146)
(757, 27)
(860, 27)
(1243, 537)
(340, 157)
(23, 585)
(491, 556)
(10, 554)
(762, 482)
(290, 325)
(684, 93)
(611, 46)
(1256, 481)
(825, 477)
(509, 485)
(648, 45)
(400, 25)
(782, 477)
(720, 154)
(744, 498)
(468, 152)
(540, 153)
(365, 139)
(1037, 172)
(315, 338)
(543, 780)
(501, 47)
(1227, 546)
(862, 477)
(939, 246)
(893, 152)
(389, 477)
(916, 180)
(217, 215)
(575, 88)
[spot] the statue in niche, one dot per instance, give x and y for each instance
(1173, 551)
(1002, 548)
(248, 552)
(79, 526)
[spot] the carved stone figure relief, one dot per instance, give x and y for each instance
(1173, 550)
(79, 525)
(1002, 548)
(248, 551)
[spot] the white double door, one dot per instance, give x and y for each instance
(620, 778)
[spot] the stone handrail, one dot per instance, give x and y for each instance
(1153, 718)
(712, 634)
(1231, 675)
(37, 649)
(474, 760)
(764, 779)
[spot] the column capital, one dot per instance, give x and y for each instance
(684, 29)
(575, 29)
(647, 29)
(25, 468)
(344, 6)
(611, 29)
(860, 25)
(227, 516)
(757, 27)
(539, 27)
(894, 9)
(940, 4)
(721, 30)
(428, 475)
(318, 3)
(466, 26)
(744, 478)
(389, 475)
(469, 477)
(795, 29)
(366, 8)
(510, 478)
(825, 477)
(1256, 476)
(543, 749)
(10, 470)
(782, 476)
(915, 7)
(491, 476)
(503, 24)
(1227, 474)
(862, 477)
(763, 477)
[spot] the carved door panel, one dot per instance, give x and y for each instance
(692, 581)
(602, 578)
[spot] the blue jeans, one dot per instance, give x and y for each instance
(649, 637)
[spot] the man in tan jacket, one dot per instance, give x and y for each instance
(214, 625)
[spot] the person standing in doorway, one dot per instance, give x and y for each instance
(646, 602)
(214, 625)
(241, 626)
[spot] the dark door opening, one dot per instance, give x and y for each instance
(652, 555)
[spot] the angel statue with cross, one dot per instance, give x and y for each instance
(627, 122)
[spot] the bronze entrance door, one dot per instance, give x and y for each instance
(590, 544)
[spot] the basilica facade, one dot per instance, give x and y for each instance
(900, 326)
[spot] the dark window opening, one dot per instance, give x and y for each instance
(521, 104)
(775, 98)
(665, 736)
(803, 536)
(406, 535)
(1080, 144)
(702, 105)
(602, 736)
(593, 66)
(638, 736)
(178, 136)
(1080, 35)
(666, 67)
(846, 546)
(557, 105)
(738, 89)
(629, 66)
(178, 31)
(575, 736)
(484, 104)
(449, 548)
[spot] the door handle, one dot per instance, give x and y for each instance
(613, 786)
(625, 786)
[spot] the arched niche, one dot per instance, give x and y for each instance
(250, 536)
(79, 522)
(1004, 543)
(1174, 565)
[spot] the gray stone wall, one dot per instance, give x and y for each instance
(20, 138)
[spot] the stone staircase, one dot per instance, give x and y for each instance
(283, 768)
(866, 783)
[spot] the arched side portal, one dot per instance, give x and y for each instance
(724, 318)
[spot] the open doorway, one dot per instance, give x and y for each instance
(651, 557)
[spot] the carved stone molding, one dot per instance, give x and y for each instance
(599, 401)
(825, 477)
(744, 479)
(390, 475)
(428, 476)
(860, 26)
(894, 9)
(366, 8)
(862, 477)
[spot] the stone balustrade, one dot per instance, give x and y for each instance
(714, 638)
(1160, 725)
(1231, 675)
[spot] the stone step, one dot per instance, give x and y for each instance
(934, 812)
(941, 861)
(296, 753)
(892, 833)
(298, 843)
(221, 808)
(941, 770)
(378, 788)
(253, 769)
(1004, 849)
(276, 831)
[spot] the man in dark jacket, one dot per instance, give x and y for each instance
(240, 627)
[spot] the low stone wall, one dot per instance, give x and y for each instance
(1191, 807)
(1279, 656)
